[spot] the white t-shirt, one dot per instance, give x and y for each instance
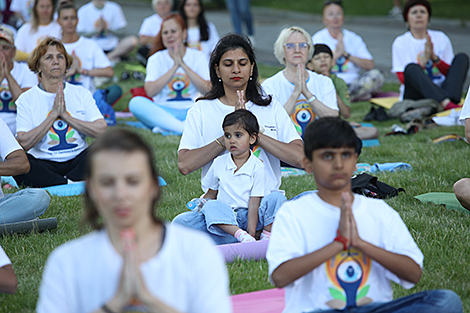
(321, 86)
(25, 79)
(151, 26)
(308, 223)
(406, 49)
(89, 15)
(8, 144)
(236, 188)
(465, 113)
(188, 274)
(24, 7)
(179, 92)
(194, 39)
(204, 124)
(90, 56)
(62, 142)
(4, 260)
(353, 44)
(26, 40)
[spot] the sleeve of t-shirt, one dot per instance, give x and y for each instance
(22, 37)
(92, 111)
(447, 54)
(342, 90)
(360, 48)
(8, 143)
(28, 79)
(24, 122)
(100, 60)
(213, 35)
(286, 239)
(192, 132)
(4, 260)
(285, 127)
(399, 61)
(201, 66)
(119, 20)
(210, 180)
(84, 23)
(144, 29)
(154, 67)
(329, 94)
(399, 240)
(15, 6)
(259, 186)
(465, 113)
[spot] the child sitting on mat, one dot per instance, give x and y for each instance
(237, 181)
(332, 250)
(322, 63)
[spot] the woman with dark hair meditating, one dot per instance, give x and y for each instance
(234, 78)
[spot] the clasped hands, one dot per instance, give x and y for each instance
(347, 224)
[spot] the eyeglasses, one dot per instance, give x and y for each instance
(300, 45)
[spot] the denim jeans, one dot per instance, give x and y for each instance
(213, 212)
(431, 301)
(240, 11)
(24, 205)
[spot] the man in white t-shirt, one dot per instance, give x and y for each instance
(104, 22)
(332, 250)
(15, 78)
(26, 204)
(8, 281)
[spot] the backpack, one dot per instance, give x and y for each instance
(369, 186)
(105, 108)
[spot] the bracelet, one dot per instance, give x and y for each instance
(342, 239)
(218, 142)
(106, 309)
(436, 60)
(311, 99)
(347, 56)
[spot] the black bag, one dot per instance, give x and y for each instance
(369, 186)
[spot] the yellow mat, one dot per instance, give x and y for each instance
(386, 102)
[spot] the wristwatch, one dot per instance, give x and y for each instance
(311, 99)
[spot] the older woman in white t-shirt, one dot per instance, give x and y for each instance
(175, 76)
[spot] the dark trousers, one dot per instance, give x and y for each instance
(45, 173)
(418, 85)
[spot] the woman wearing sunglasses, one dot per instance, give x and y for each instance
(304, 94)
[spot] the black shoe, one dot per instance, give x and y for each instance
(381, 115)
(125, 76)
(371, 116)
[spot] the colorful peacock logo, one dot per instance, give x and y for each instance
(348, 271)
(179, 87)
(302, 116)
(5, 97)
(62, 136)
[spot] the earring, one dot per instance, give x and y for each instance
(220, 80)
(251, 77)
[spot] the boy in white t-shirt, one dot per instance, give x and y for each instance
(237, 181)
(332, 250)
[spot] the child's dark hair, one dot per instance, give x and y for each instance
(328, 132)
(245, 119)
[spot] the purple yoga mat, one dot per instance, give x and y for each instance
(248, 250)
(264, 301)
(386, 94)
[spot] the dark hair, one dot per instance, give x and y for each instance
(158, 43)
(411, 3)
(201, 20)
(117, 140)
(245, 119)
(65, 6)
(320, 47)
(231, 42)
(328, 132)
(338, 2)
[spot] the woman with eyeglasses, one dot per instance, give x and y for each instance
(304, 94)
(350, 54)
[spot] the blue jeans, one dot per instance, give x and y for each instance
(214, 212)
(240, 11)
(152, 114)
(24, 205)
(431, 301)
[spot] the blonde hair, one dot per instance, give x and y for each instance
(282, 40)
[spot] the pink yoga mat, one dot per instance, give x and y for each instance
(264, 301)
(247, 251)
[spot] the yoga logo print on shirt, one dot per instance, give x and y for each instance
(61, 135)
(75, 79)
(431, 70)
(302, 116)
(341, 66)
(348, 271)
(5, 97)
(179, 88)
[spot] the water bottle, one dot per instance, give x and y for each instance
(196, 204)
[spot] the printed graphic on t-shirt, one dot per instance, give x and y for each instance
(61, 135)
(256, 151)
(431, 70)
(76, 79)
(302, 116)
(5, 96)
(195, 45)
(104, 32)
(348, 271)
(179, 88)
(341, 66)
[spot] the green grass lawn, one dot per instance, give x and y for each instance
(441, 234)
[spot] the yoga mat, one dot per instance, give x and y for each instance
(254, 250)
(370, 143)
(387, 94)
(124, 114)
(292, 171)
(444, 198)
(386, 102)
(264, 301)
(28, 226)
